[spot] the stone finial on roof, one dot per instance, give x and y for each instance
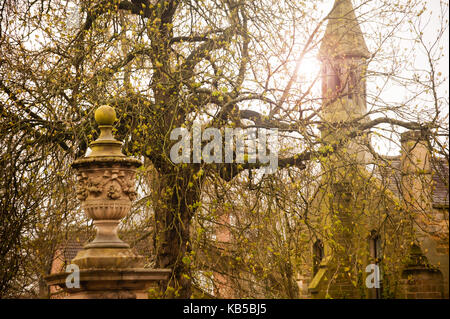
(343, 35)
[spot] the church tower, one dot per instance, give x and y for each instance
(360, 254)
(344, 56)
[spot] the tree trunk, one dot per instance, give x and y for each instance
(173, 203)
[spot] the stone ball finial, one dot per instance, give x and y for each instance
(105, 115)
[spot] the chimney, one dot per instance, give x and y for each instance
(416, 171)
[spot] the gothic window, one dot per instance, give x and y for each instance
(362, 82)
(318, 255)
(334, 82)
(324, 80)
(331, 82)
(375, 247)
(352, 84)
(376, 256)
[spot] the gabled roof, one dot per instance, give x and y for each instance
(440, 183)
(440, 170)
(343, 35)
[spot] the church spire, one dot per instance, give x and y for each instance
(344, 57)
(343, 35)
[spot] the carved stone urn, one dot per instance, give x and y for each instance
(108, 267)
(105, 184)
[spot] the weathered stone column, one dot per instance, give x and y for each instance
(105, 187)
(417, 189)
(420, 280)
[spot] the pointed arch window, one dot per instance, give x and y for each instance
(331, 84)
(376, 255)
(375, 247)
(334, 81)
(352, 84)
(318, 254)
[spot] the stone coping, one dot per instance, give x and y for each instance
(112, 274)
(107, 161)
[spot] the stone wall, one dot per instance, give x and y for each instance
(420, 280)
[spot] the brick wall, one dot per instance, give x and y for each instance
(422, 283)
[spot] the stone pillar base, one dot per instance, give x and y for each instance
(109, 273)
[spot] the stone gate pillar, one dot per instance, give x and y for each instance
(106, 188)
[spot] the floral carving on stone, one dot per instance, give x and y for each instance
(110, 183)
